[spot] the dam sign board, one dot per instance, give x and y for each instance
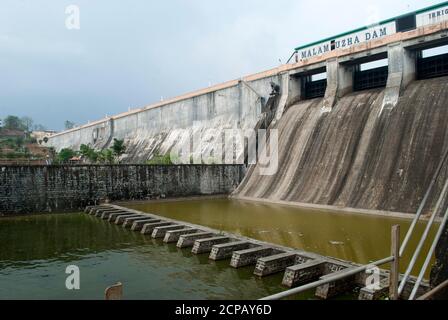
(346, 41)
(433, 16)
(411, 21)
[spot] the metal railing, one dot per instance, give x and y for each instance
(402, 249)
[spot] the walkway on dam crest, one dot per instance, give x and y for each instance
(299, 267)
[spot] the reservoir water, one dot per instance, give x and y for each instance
(36, 250)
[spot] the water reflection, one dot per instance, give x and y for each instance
(353, 237)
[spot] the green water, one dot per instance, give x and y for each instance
(353, 237)
(35, 251)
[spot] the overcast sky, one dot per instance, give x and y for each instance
(129, 54)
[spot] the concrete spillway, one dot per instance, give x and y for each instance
(359, 155)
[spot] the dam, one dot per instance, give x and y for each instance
(359, 123)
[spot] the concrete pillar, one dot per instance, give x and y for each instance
(121, 219)
(128, 222)
(149, 227)
(138, 225)
(294, 90)
(402, 70)
(113, 216)
(160, 232)
(339, 83)
(285, 83)
(173, 236)
(188, 240)
(249, 257)
(225, 251)
(301, 274)
(205, 245)
(274, 264)
(105, 215)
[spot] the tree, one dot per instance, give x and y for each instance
(27, 123)
(65, 155)
(13, 123)
(69, 125)
(118, 148)
(89, 153)
(106, 156)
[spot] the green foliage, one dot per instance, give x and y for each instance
(89, 153)
(65, 155)
(164, 160)
(106, 156)
(13, 123)
(118, 148)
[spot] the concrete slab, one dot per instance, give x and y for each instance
(274, 264)
(138, 225)
(100, 212)
(128, 222)
(205, 245)
(159, 232)
(370, 294)
(303, 273)
(225, 251)
(188, 240)
(244, 258)
(173, 236)
(105, 215)
(121, 219)
(114, 215)
(337, 287)
(148, 228)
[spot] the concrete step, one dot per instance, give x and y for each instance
(128, 222)
(148, 228)
(160, 232)
(205, 245)
(121, 219)
(225, 251)
(99, 212)
(188, 240)
(375, 293)
(114, 215)
(138, 225)
(106, 214)
(244, 258)
(94, 210)
(274, 264)
(173, 236)
(303, 273)
(338, 287)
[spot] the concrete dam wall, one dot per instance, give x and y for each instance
(156, 129)
(38, 189)
(358, 155)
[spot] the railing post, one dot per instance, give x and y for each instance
(395, 265)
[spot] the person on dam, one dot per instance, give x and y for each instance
(275, 89)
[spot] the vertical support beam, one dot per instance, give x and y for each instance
(294, 90)
(395, 266)
(402, 70)
(285, 94)
(339, 83)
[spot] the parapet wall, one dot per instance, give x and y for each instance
(36, 189)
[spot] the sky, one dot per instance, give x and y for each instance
(130, 54)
